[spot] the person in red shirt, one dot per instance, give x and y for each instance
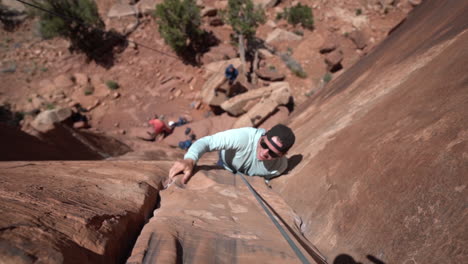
(157, 128)
(160, 128)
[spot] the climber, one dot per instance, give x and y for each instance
(248, 150)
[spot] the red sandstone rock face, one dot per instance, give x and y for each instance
(384, 148)
(215, 219)
(75, 212)
(382, 172)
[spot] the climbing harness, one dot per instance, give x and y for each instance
(280, 228)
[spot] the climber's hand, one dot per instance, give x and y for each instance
(184, 166)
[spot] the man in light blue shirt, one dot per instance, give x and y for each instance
(248, 150)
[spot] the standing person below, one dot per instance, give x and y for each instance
(248, 150)
(231, 74)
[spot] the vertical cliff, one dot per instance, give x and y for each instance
(384, 148)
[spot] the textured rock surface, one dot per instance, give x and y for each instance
(270, 75)
(121, 10)
(147, 6)
(75, 212)
(379, 169)
(278, 91)
(384, 148)
(215, 219)
(47, 120)
(209, 93)
(281, 35)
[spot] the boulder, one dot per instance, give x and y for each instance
(333, 59)
(257, 114)
(281, 35)
(209, 92)
(279, 116)
(75, 211)
(328, 45)
(147, 7)
(268, 74)
(45, 120)
(279, 92)
(38, 101)
(220, 66)
(81, 78)
(121, 10)
(63, 81)
(359, 39)
(215, 90)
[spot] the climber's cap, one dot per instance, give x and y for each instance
(285, 134)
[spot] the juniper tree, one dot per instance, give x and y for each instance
(299, 14)
(244, 19)
(179, 24)
(79, 21)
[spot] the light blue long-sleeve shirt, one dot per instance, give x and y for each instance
(238, 152)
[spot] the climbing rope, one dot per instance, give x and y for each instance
(280, 228)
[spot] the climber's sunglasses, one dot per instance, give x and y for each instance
(270, 152)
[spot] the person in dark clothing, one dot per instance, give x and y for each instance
(231, 74)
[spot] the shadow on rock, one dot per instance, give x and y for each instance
(293, 162)
(347, 259)
(195, 50)
(98, 45)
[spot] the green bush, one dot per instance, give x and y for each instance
(179, 23)
(79, 22)
(50, 106)
(88, 91)
(279, 16)
(299, 14)
(112, 85)
(327, 77)
(293, 65)
(80, 11)
(299, 32)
